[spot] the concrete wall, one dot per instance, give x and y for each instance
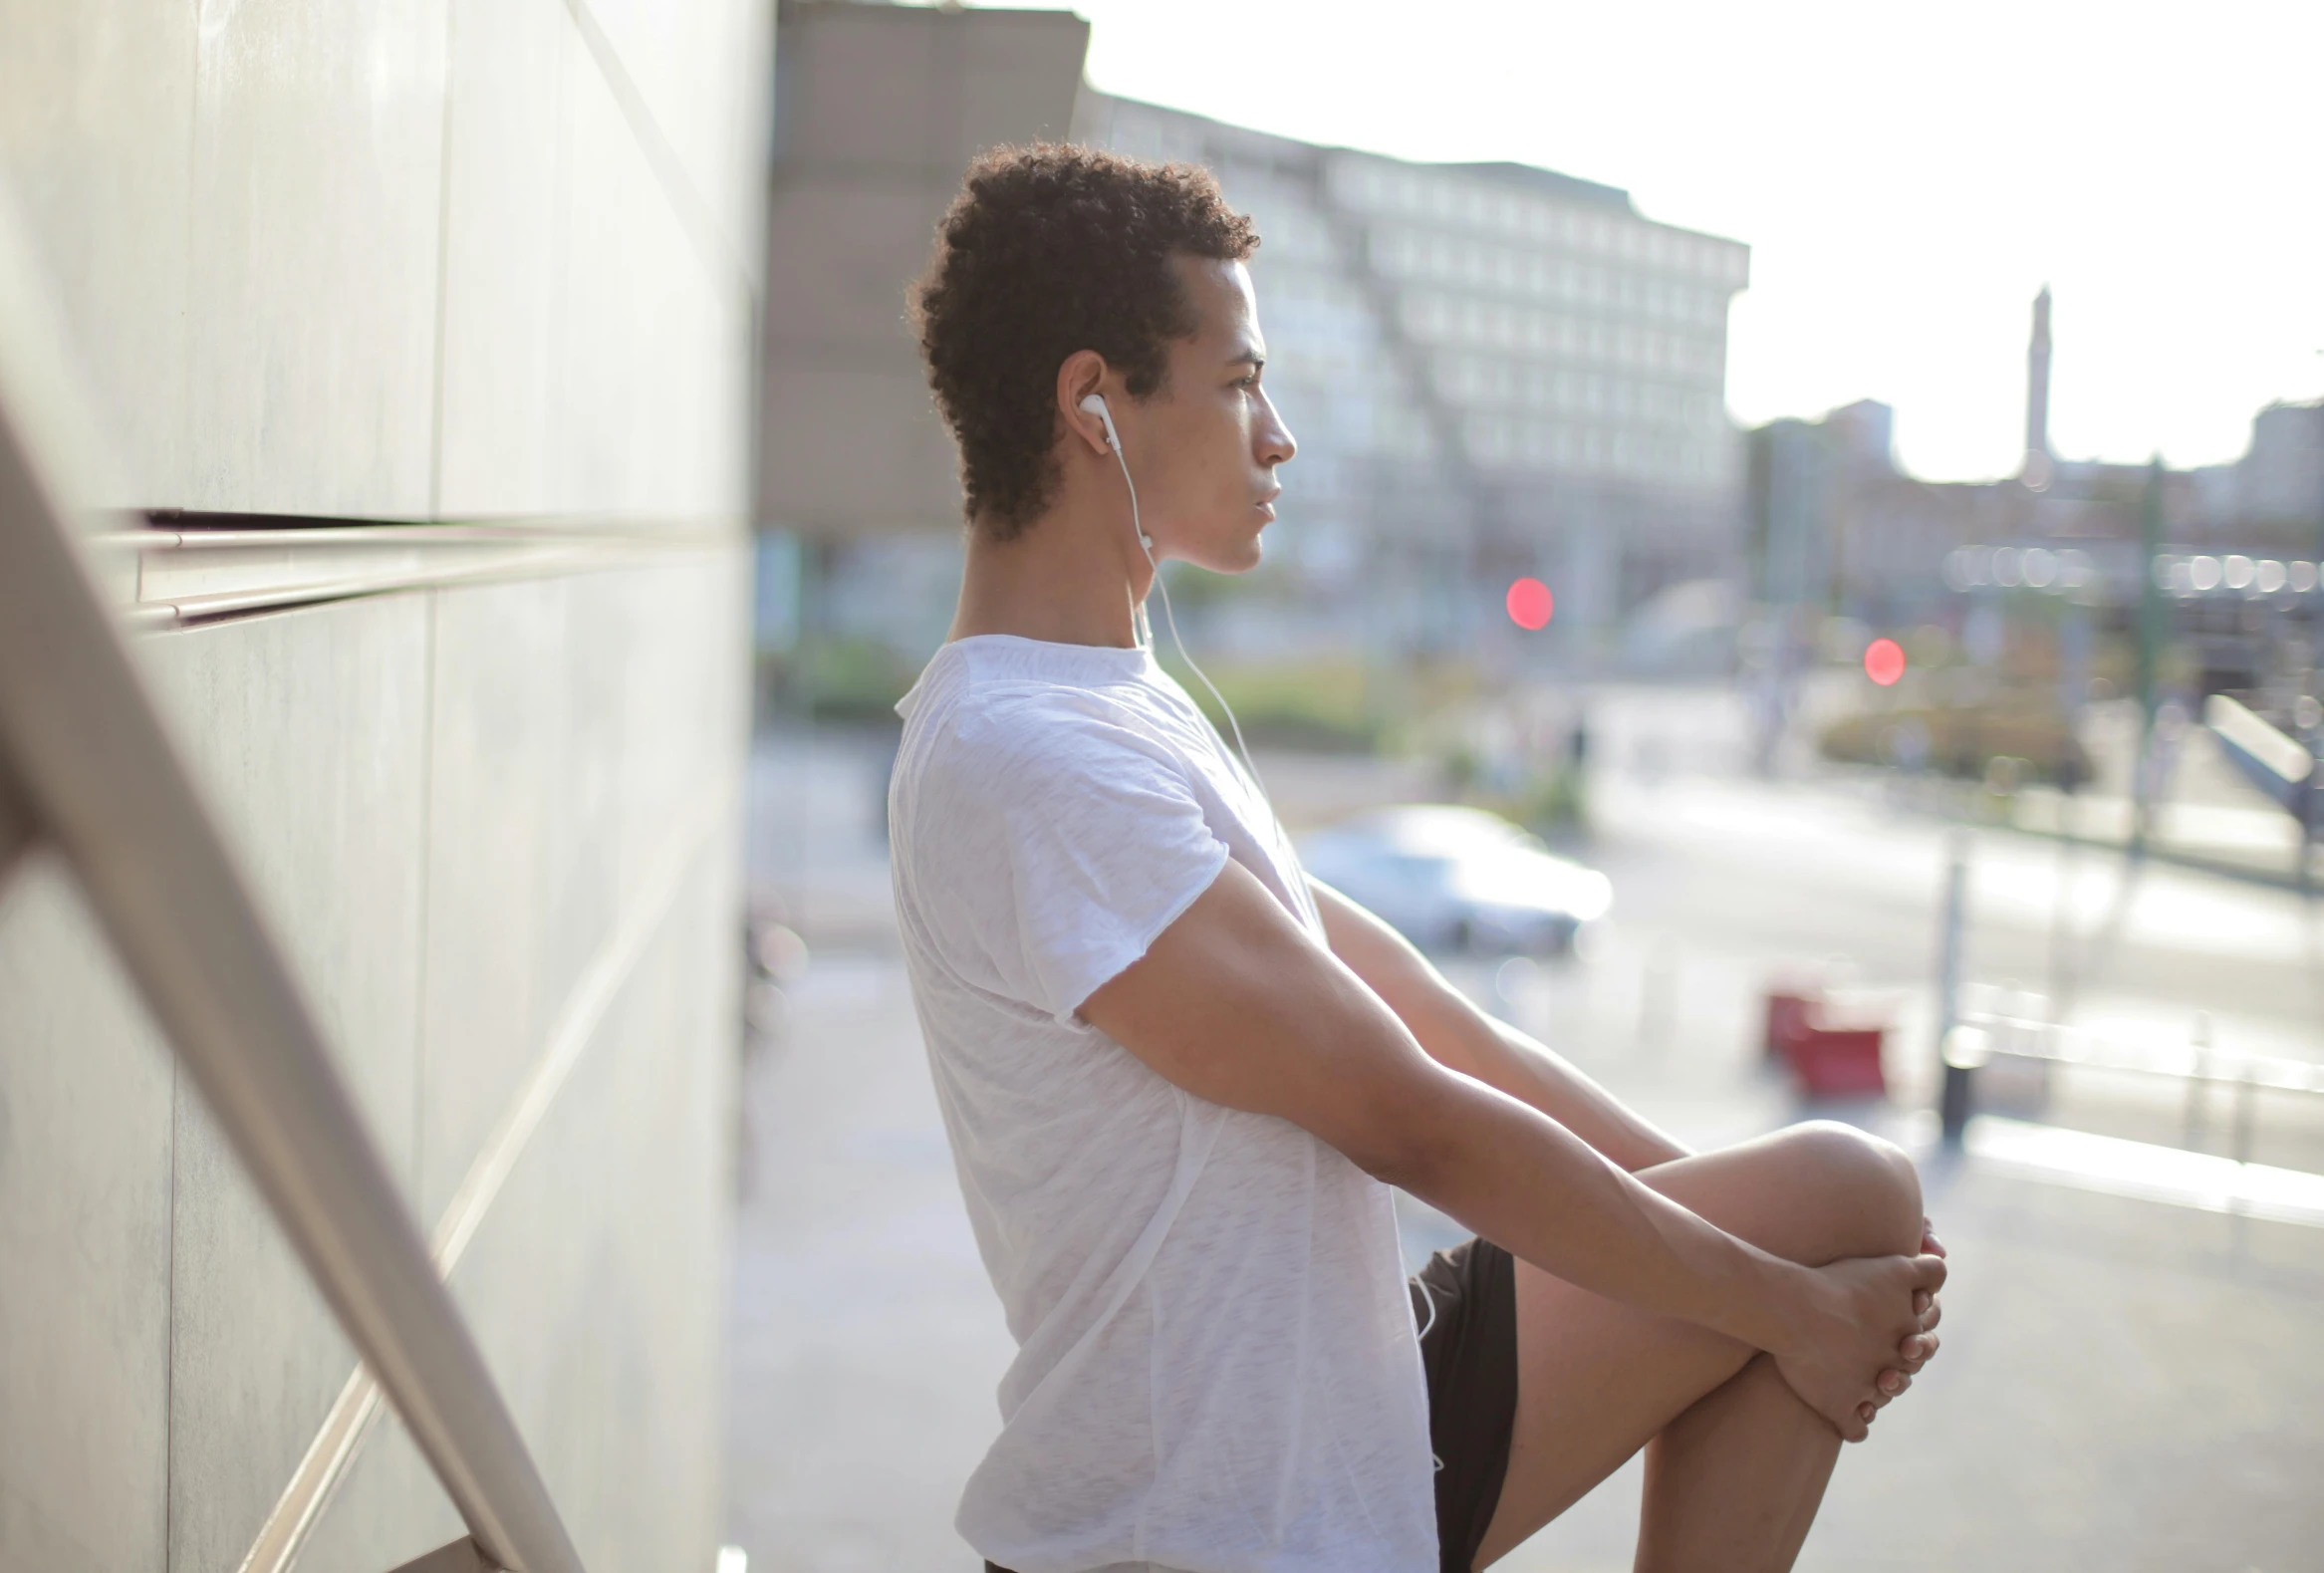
(386, 265)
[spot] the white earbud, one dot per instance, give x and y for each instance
(1095, 405)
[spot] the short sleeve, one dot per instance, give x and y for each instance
(1052, 843)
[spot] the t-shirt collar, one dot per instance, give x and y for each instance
(1002, 656)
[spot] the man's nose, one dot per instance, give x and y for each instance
(1276, 445)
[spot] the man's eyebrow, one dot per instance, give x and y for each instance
(1246, 356)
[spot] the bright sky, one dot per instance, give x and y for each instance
(1907, 176)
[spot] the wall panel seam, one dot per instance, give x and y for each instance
(351, 1419)
(443, 269)
(428, 720)
(169, 1333)
(278, 589)
(711, 241)
(180, 483)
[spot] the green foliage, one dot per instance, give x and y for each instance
(844, 680)
(1964, 740)
(1553, 803)
(1192, 588)
(1327, 707)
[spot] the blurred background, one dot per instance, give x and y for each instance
(1833, 500)
(1799, 586)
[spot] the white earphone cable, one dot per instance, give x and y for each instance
(1172, 618)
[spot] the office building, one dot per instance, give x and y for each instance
(1492, 369)
(1834, 526)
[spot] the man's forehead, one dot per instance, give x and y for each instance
(1225, 305)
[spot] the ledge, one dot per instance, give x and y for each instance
(167, 578)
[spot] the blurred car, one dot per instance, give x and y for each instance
(1459, 879)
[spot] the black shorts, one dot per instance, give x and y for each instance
(1468, 1347)
(1466, 1301)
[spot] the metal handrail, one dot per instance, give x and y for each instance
(2028, 1038)
(181, 609)
(1983, 1036)
(101, 778)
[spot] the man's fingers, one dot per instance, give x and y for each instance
(1931, 1314)
(1931, 1245)
(1928, 1273)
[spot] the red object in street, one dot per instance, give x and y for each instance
(1530, 604)
(1883, 661)
(1827, 1057)
(1839, 1062)
(1787, 1017)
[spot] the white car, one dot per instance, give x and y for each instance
(1459, 879)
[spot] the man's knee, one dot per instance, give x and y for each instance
(1873, 1186)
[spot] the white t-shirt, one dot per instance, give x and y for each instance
(1216, 1369)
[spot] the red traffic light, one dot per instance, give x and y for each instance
(1530, 604)
(1883, 661)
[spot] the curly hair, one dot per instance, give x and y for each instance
(1048, 250)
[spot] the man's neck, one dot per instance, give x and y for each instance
(1066, 578)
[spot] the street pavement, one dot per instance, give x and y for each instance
(2124, 1383)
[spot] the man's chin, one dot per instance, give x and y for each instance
(1240, 558)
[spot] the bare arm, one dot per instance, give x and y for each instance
(1237, 1003)
(1457, 1035)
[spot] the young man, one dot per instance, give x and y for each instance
(1179, 1077)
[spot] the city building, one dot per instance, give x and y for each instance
(1492, 369)
(1836, 530)
(2274, 494)
(878, 110)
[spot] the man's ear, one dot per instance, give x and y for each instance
(1080, 374)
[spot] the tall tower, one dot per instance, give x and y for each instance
(2037, 390)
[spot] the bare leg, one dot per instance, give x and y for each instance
(1735, 1481)
(1739, 1464)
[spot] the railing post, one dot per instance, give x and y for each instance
(1954, 1099)
(2246, 1091)
(2198, 1079)
(2240, 1204)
